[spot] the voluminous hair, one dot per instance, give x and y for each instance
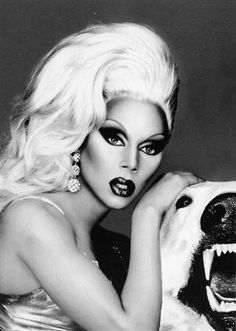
(66, 99)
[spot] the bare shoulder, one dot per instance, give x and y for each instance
(30, 219)
(33, 235)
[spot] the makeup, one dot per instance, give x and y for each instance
(122, 187)
(120, 156)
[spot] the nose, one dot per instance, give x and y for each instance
(219, 216)
(130, 159)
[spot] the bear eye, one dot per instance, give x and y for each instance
(183, 201)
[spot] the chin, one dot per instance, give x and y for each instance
(119, 203)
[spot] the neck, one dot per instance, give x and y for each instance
(83, 210)
(86, 209)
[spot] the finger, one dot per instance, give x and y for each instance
(194, 179)
(184, 179)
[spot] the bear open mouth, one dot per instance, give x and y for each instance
(220, 272)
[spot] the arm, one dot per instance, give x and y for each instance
(46, 245)
(143, 285)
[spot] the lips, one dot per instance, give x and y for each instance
(122, 187)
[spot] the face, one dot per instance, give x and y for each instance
(119, 158)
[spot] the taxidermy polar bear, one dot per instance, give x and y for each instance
(198, 246)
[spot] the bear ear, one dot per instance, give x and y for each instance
(183, 201)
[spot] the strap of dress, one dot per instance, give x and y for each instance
(36, 197)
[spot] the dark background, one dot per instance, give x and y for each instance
(201, 34)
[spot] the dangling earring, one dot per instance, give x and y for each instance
(73, 183)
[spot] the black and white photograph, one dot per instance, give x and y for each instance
(117, 165)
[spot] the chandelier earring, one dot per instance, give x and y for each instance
(73, 183)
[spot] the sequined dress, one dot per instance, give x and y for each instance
(36, 311)
(33, 311)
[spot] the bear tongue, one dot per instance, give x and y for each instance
(223, 275)
(224, 284)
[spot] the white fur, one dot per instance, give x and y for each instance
(180, 235)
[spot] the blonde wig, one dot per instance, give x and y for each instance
(66, 99)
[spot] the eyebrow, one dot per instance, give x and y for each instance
(117, 126)
(157, 135)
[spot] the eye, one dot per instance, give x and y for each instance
(154, 148)
(115, 141)
(112, 136)
(183, 201)
(149, 150)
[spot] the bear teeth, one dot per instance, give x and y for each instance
(208, 255)
(222, 307)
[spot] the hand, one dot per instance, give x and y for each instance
(161, 195)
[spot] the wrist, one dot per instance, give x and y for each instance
(147, 213)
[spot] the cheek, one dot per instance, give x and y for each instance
(150, 166)
(149, 169)
(90, 160)
(94, 156)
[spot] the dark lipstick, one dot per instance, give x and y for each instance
(122, 187)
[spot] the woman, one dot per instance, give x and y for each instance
(103, 102)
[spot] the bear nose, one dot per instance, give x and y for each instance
(219, 216)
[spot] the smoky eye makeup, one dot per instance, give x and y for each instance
(113, 135)
(154, 147)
